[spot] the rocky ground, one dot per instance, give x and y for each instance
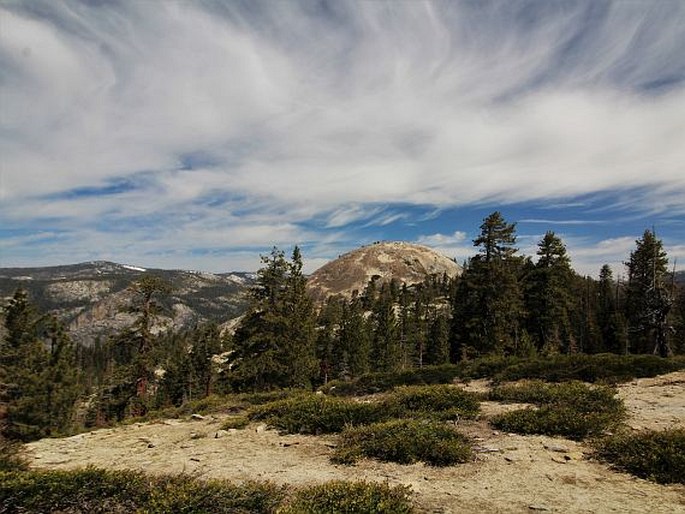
(512, 473)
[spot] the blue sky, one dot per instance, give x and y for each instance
(181, 134)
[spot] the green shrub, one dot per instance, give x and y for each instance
(571, 409)
(486, 367)
(87, 490)
(180, 494)
(658, 456)
(351, 498)
(372, 383)
(590, 368)
(316, 414)
(11, 458)
(437, 401)
(235, 422)
(404, 441)
(555, 420)
(101, 491)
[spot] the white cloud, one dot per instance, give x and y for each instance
(311, 114)
(455, 246)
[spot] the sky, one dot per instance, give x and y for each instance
(200, 134)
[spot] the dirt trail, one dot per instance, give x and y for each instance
(511, 474)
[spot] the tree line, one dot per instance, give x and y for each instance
(502, 304)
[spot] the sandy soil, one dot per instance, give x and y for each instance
(512, 473)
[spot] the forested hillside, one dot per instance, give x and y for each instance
(503, 304)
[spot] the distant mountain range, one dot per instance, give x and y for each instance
(90, 297)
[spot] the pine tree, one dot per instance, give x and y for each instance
(327, 343)
(648, 299)
(38, 370)
(437, 342)
(352, 355)
(146, 304)
(549, 296)
(276, 342)
(488, 301)
(611, 320)
(386, 347)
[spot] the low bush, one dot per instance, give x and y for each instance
(11, 458)
(435, 401)
(658, 456)
(317, 414)
(351, 498)
(557, 368)
(590, 368)
(404, 441)
(88, 490)
(237, 422)
(372, 383)
(572, 409)
(557, 420)
(99, 491)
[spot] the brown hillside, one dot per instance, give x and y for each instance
(405, 262)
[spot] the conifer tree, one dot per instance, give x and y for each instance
(327, 339)
(276, 342)
(38, 370)
(386, 349)
(549, 298)
(437, 342)
(648, 299)
(611, 320)
(352, 356)
(488, 302)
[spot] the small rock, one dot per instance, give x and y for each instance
(539, 508)
(555, 448)
(560, 460)
(195, 459)
(221, 433)
(511, 458)
(197, 417)
(260, 428)
(150, 445)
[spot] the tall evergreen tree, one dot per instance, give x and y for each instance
(327, 339)
(146, 305)
(488, 302)
(648, 299)
(437, 342)
(386, 345)
(549, 296)
(352, 356)
(611, 320)
(276, 341)
(38, 370)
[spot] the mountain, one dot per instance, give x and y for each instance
(405, 262)
(90, 297)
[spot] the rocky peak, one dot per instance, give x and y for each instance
(405, 262)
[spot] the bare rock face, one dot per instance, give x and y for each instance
(405, 262)
(92, 298)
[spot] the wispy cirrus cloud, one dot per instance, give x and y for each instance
(230, 126)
